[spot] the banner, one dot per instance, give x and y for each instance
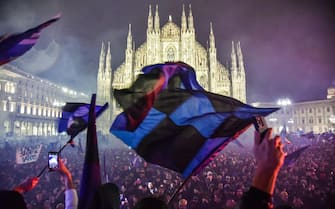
(28, 154)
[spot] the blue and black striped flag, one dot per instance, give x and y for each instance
(170, 120)
(14, 45)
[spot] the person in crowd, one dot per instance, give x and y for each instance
(309, 182)
(151, 203)
(107, 197)
(13, 199)
(71, 196)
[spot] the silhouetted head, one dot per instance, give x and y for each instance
(283, 207)
(106, 197)
(151, 203)
(11, 200)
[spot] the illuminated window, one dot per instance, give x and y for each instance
(12, 107)
(22, 109)
(310, 120)
(170, 54)
(4, 106)
(34, 110)
(28, 109)
(6, 125)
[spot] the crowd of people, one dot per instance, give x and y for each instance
(307, 184)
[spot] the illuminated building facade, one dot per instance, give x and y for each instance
(31, 106)
(167, 44)
(317, 116)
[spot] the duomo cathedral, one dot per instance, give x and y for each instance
(165, 44)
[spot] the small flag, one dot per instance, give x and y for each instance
(291, 158)
(75, 117)
(91, 178)
(14, 45)
(170, 120)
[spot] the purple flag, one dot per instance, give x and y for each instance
(14, 45)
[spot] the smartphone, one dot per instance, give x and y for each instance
(261, 126)
(53, 160)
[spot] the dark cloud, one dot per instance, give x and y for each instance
(287, 45)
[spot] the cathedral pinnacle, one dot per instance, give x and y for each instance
(183, 20)
(190, 20)
(108, 59)
(157, 22)
(211, 37)
(150, 20)
(211, 28)
(233, 58)
(102, 57)
(129, 38)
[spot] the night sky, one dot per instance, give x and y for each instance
(288, 45)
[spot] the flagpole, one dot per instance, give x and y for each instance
(178, 190)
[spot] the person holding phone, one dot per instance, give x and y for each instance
(269, 157)
(71, 196)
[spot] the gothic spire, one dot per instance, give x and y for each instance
(211, 37)
(129, 38)
(233, 57)
(102, 57)
(190, 20)
(108, 59)
(150, 20)
(157, 23)
(240, 57)
(183, 20)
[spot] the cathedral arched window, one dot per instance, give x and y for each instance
(170, 54)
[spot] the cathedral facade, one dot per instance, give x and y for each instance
(167, 44)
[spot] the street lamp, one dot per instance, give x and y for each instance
(283, 102)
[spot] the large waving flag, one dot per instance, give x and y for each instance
(14, 45)
(170, 120)
(75, 117)
(91, 178)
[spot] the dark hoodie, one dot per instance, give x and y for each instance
(106, 197)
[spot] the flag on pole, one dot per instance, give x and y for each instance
(170, 120)
(14, 45)
(75, 117)
(91, 178)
